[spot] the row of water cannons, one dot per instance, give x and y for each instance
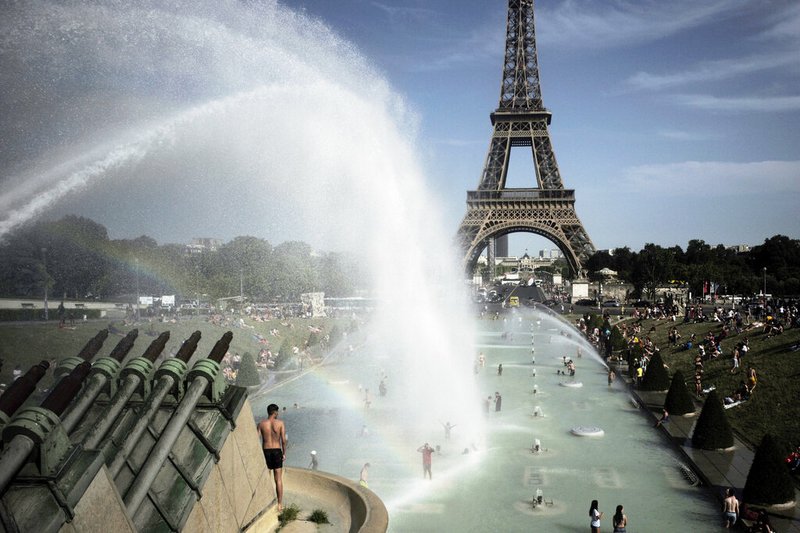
(35, 439)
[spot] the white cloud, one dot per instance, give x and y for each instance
(405, 12)
(679, 135)
(714, 178)
(459, 142)
(771, 104)
(786, 24)
(714, 70)
(482, 44)
(592, 24)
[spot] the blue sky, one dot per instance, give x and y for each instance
(672, 120)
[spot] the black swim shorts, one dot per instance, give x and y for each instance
(274, 458)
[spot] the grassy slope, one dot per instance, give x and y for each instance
(775, 405)
(27, 344)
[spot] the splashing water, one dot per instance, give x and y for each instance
(243, 116)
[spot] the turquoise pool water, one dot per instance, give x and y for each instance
(490, 488)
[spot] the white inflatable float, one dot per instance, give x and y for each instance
(587, 431)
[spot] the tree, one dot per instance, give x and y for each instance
(678, 400)
(248, 373)
(768, 482)
(598, 261)
(654, 266)
(712, 431)
(656, 377)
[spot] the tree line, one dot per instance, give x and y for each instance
(76, 259)
(714, 268)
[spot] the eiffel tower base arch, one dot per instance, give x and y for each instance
(567, 234)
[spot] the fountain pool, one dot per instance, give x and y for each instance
(491, 487)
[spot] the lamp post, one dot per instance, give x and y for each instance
(44, 261)
(765, 289)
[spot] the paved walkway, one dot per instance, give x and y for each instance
(718, 470)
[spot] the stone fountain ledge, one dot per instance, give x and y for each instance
(349, 506)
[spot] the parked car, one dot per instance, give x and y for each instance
(611, 303)
(587, 302)
(642, 303)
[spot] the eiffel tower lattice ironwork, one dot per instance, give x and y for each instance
(493, 210)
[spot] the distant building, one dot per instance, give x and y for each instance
(740, 248)
(203, 244)
(555, 253)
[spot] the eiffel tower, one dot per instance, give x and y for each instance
(548, 209)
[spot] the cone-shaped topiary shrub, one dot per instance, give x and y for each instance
(656, 377)
(617, 340)
(634, 353)
(313, 339)
(248, 373)
(335, 334)
(679, 400)
(768, 481)
(284, 355)
(712, 432)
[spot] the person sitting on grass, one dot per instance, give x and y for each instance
(740, 394)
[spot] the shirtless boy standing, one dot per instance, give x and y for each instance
(730, 508)
(273, 436)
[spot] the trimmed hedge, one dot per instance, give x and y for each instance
(679, 400)
(656, 378)
(247, 376)
(713, 431)
(768, 481)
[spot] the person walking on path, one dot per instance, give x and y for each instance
(426, 452)
(619, 521)
(273, 436)
(595, 515)
(730, 508)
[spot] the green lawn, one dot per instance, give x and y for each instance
(775, 405)
(27, 344)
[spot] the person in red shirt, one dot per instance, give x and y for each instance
(427, 452)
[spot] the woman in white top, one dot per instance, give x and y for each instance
(595, 517)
